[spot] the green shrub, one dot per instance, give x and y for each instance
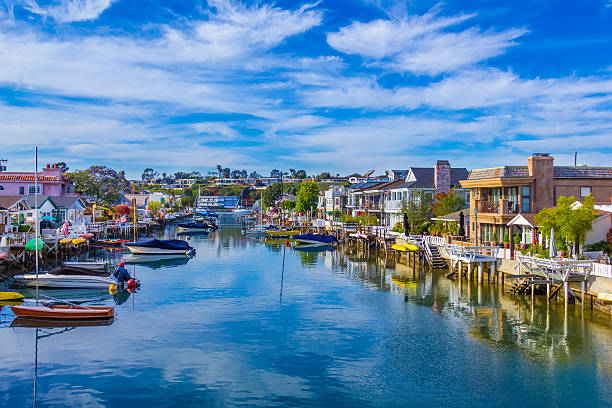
(347, 218)
(494, 237)
(599, 246)
(536, 250)
(25, 228)
(398, 227)
(517, 238)
(506, 238)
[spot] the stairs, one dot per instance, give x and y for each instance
(433, 257)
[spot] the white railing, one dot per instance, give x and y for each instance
(602, 270)
(430, 239)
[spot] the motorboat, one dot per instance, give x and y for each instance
(196, 226)
(159, 247)
(95, 266)
(68, 312)
(112, 242)
(315, 239)
(67, 277)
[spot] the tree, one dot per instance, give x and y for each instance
(181, 175)
(418, 209)
(187, 201)
(219, 170)
(236, 174)
(324, 175)
(288, 205)
(301, 174)
(307, 196)
(271, 194)
(149, 175)
(154, 206)
(292, 172)
(571, 223)
(226, 172)
(275, 173)
(100, 183)
(254, 174)
(244, 173)
(62, 166)
(448, 202)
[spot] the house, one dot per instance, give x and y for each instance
(353, 205)
(13, 210)
(184, 183)
(332, 199)
(51, 182)
(142, 200)
(498, 195)
(46, 208)
(69, 208)
(217, 202)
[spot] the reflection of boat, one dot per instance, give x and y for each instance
(277, 241)
(241, 211)
(282, 233)
(49, 323)
(158, 246)
(64, 311)
(67, 277)
(313, 248)
(315, 239)
(158, 261)
(87, 265)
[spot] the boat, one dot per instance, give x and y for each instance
(196, 226)
(315, 239)
(11, 296)
(87, 265)
(67, 277)
(399, 247)
(68, 312)
(159, 246)
(78, 241)
(65, 241)
(282, 233)
(241, 211)
(111, 242)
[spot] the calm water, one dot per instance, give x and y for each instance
(230, 328)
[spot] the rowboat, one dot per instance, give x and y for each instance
(8, 296)
(158, 247)
(64, 311)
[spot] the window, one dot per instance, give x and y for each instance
(1, 188)
(585, 191)
(525, 199)
(21, 190)
(33, 189)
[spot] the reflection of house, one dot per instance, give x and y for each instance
(50, 182)
(499, 194)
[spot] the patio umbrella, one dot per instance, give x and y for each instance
(406, 226)
(461, 224)
(552, 249)
(47, 218)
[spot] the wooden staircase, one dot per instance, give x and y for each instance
(432, 255)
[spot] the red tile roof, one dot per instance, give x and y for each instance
(28, 177)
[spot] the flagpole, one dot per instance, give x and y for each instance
(36, 205)
(134, 205)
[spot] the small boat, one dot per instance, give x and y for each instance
(315, 239)
(282, 233)
(67, 277)
(411, 247)
(159, 246)
(111, 242)
(400, 248)
(10, 296)
(87, 265)
(78, 241)
(69, 312)
(65, 241)
(195, 226)
(241, 211)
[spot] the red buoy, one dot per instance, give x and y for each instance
(131, 283)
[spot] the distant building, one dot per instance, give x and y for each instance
(50, 182)
(184, 183)
(218, 202)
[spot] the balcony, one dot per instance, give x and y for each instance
(489, 207)
(507, 207)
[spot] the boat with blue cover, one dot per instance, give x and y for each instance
(315, 239)
(160, 246)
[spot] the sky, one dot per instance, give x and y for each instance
(334, 85)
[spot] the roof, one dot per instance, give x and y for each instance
(24, 177)
(31, 199)
(8, 201)
(425, 176)
(524, 219)
(454, 216)
(363, 184)
(65, 201)
(404, 184)
(558, 171)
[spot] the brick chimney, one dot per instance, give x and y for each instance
(442, 176)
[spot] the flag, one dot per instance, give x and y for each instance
(65, 228)
(123, 218)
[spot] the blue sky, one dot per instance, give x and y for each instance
(331, 85)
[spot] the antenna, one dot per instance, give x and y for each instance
(575, 158)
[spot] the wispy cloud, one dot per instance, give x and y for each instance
(419, 43)
(68, 11)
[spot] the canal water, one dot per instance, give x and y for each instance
(245, 323)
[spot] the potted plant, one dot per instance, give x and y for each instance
(494, 239)
(506, 241)
(517, 240)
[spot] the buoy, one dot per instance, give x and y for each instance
(131, 283)
(112, 289)
(287, 244)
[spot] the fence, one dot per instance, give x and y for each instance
(602, 270)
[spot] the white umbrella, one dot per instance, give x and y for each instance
(552, 249)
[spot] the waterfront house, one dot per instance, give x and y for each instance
(50, 183)
(332, 199)
(498, 195)
(13, 210)
(69, 208)
(46, 208)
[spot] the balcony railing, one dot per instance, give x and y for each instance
(494, 207)
(488, 207)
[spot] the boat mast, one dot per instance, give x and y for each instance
(36, 205)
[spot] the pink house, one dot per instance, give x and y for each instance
(50, 183)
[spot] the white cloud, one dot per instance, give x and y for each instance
(418, 44)
(68, 11)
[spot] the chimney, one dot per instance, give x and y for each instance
(48, 166)
(442, 176)
(542, 170)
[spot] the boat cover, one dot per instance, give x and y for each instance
(162, 244)
(327, 239)
(75, 270)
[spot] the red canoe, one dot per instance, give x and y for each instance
(64, 311)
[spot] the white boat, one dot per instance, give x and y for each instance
(241, 211)
(94, 266)
(48, 280)
(160, 247)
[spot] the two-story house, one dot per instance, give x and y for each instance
(503, 199)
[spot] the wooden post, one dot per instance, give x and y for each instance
(480, 272)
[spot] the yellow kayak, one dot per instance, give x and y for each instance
(282, 233)
(400, 248)
(78, 241)
(411, 247)
(65, 241)
(10, 296)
